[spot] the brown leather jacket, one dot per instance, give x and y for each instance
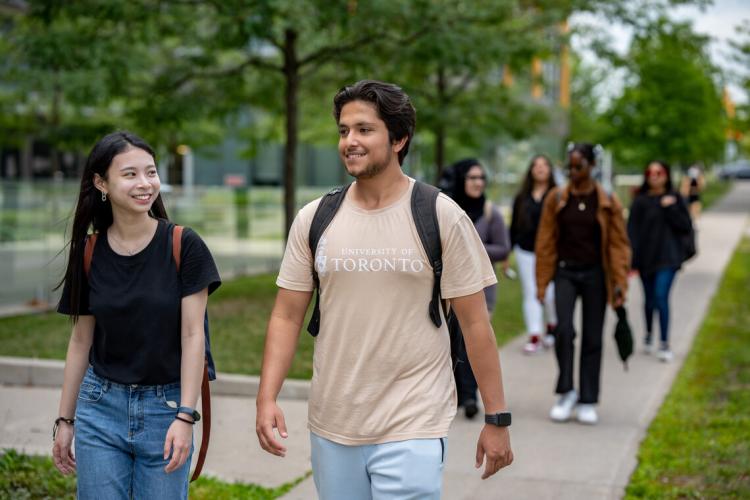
(615, 243)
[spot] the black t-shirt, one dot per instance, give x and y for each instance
(137, 300)
(525, 221)
(580, 241)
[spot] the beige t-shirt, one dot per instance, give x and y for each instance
(381, 369)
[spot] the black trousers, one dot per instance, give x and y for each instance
(466, 384)
(587, 283)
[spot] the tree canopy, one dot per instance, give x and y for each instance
(671, 106)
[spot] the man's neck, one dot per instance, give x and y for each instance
(381, 190)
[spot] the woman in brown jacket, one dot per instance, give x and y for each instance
(582, 244)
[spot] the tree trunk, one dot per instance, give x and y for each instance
(54, 134)
(439, 151)
(291, 76)
(440, 128)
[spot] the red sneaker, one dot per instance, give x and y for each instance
(533, 345)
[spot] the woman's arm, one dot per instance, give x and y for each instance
(546, 244)
(678, 216)
(514, 222)
(498, 244)
(76, 362)
(619, 252)
(635, 218)
(180, 434)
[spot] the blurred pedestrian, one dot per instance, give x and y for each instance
(470, 183)
(658, 223)
(581, 244)
(135, 358)
(691, 187)
(527, 209)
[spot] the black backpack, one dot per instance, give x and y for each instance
(423, 209)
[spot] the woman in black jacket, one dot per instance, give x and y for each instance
(658, 224)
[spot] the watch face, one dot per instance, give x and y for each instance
(499, 419)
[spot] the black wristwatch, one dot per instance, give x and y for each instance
(498, 419)
(189, 411)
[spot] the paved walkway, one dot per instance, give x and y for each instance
(561, 461)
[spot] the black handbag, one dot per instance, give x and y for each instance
(688, 244)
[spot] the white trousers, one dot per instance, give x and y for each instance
(533, 312)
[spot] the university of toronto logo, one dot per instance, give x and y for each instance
(359, 260)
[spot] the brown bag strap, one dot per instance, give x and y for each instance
(206, 419)
(177, 245)
(205, 388)
(88, 253)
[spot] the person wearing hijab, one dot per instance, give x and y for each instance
(468, 191)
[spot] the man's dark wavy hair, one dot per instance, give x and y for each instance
(392, 104)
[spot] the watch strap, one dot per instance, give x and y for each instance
(502, 419)
(189, 411)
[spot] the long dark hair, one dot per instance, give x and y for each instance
(91, 211)
(527, 186)
(392, 103)
(667, 187)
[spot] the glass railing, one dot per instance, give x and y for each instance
(243, 227)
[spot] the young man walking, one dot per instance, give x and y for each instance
(383, 396)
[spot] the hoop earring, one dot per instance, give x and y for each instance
(104, 196)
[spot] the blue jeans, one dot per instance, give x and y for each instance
(119, 440)
(400, 470)
(656, 287)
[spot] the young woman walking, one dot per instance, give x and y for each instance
(135, 357)
(658, 223)
(469, 194)
(527, 209)
(583, 246)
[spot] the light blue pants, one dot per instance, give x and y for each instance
(402, 470)
(119, 441)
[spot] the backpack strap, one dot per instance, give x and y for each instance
(324, 214)
(177, 245)
(88, 253)
(424, 212)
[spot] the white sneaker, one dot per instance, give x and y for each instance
(665, 355)
(563, 409)
(648, 346)
(586, 414)
(548, 341)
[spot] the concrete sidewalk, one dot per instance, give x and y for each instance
(561, 461)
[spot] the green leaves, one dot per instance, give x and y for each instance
(671, 106)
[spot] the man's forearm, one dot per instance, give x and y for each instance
(281, 343)
(485, 362)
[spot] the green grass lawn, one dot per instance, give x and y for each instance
(32, 477)
(698, 446)
(238, 312)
